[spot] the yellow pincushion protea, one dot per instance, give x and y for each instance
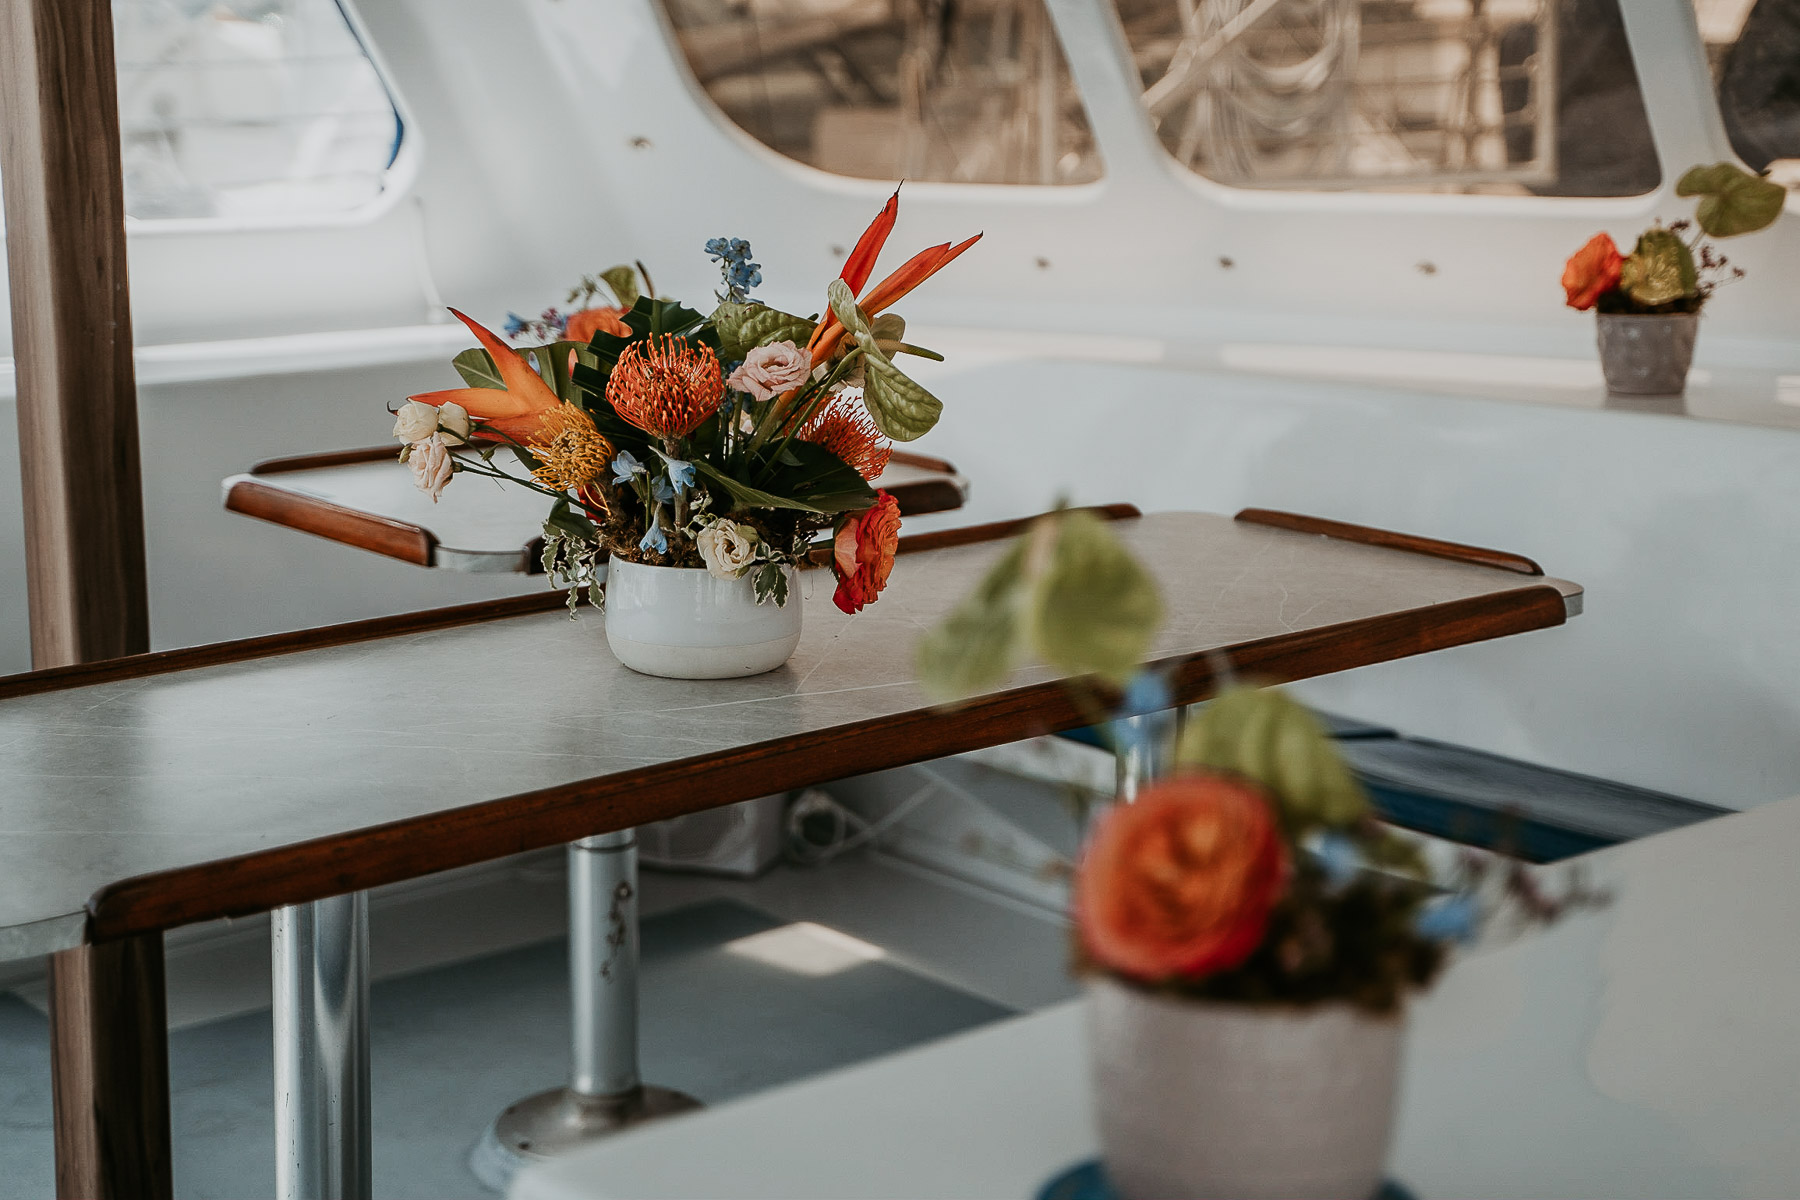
(571, 452)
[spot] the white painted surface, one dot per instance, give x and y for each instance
(1645, 1050)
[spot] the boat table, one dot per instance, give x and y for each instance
(291, 773)
(1644, 1049)
(363, 498)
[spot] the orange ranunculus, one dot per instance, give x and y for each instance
(862, 554)
(514, 410)
(1592, 271)
(583, 325)
(1178, 884)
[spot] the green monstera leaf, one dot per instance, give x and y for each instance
(1660, 270)
(1066, 592)
(1262, 734)
(1732, 200)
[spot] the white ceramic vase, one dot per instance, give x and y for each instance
(686, 623)
(1204, 1101)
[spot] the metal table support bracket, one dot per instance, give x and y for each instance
(605, 1092)
(320, 961)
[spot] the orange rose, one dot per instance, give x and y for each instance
(1592, 272)
(583, 325)
(1178, 883)
(863, 553)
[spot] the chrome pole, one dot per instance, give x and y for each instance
(605, 1093)
(603, 963)
(320, 964)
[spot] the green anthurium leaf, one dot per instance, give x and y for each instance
(920, 351)
(1659, 270)
(743, 327)
(623, 281)
(1093, 608)
(1732, 200)
(977, 646)
(888, 327)
(843, 306)
(1262, 734)
(476, 366)
(901, 408)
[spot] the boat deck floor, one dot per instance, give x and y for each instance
(746, 984)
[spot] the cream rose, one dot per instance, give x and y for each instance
(432, 464)
(415, 421)
(727, 548)
(453, 420)
(769, 370)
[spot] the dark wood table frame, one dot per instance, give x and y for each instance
(111, 1059)
(257, 493)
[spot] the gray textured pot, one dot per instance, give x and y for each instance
(1647, 355)
(1200, 1101)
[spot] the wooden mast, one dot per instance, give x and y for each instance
(63, 182)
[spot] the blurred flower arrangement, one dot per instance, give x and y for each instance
(1667, 272)
(1256, 871)
(669, 437)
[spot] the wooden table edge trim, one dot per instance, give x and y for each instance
(327, 519)
(492, 829)
(1370, 536)
(163, 662)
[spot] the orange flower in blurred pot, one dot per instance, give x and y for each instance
(1592, 271)
(583, 325)
(863, 553)
(1178, 884)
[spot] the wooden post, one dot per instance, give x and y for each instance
(109, 1071)
(71, 318)
(63, 180)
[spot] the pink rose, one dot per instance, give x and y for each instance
(432, 465)
(770, 370)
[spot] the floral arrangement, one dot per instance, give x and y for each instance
(1667, 272)
(669, 437)
(1256, 871)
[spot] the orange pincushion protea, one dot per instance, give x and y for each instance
(844, 428)
(1178, 884)
(666, 386)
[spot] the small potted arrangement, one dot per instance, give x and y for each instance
(1648, 302)
(1248, 932)
(690, 459)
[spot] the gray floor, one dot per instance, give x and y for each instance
(454, 1045)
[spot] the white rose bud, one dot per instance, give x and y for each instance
(453, 420)
(415, 421)
(432, 465)
(727, 548)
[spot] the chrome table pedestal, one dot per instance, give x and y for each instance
(320, 963)
(605, 1093)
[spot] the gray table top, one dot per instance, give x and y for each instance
(446, 732)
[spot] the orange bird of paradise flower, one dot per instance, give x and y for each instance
(514, 412)
(861, 264)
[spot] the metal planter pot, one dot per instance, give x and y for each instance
(1203, 1101)
(1647, 355)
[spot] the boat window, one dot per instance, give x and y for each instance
(953, 91)
(1530, 97)
(249, 109)
(1753, 48)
